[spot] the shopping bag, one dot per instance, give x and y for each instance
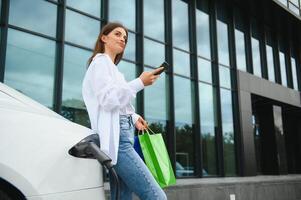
(156, 158)
(137, 147)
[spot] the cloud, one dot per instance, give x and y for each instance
(40, 12)
(180, 25)
(91, 7)
(154, 19)
(80, 29)
(123, 11)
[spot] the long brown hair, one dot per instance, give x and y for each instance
(100, 46)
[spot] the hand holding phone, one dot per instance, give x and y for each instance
(165, 67)
(148, 78)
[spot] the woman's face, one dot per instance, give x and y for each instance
(115, 41)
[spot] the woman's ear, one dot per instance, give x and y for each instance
(103, 38)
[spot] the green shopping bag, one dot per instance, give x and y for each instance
(156, 158)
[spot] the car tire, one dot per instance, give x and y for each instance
(4, 196)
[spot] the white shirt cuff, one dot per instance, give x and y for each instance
(136, 84)
(135, 118)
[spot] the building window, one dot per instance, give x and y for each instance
(228, 132)
(91, 7)
(129, 71)
(80, 29)
(154, 19)
(222, 40)
(295, 2)
(293, 6)
(182, 91)
(227, 124)
(270, 57)
(180, 24)
(270, 63)
(208, 127)
(41, 18)
(151, 57)
(75, 65)
(30, 62)
(204, 70)
(284, 2)
(224, 77)
(203, 34)
(240, 50)
(294, 73)
(181, 63)
(130, 50)
(256, 57)
(240, 41)
(282, 68)
(155, 99)
(256, 50)
(206, 91)
(123, 11)
(184, 131)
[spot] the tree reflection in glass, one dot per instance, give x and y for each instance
(155, 105)
(184, 128)
(75, 65)
(208, 126)
(228, 133)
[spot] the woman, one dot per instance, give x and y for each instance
(107, 97)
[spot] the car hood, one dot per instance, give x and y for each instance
(14, 100)
(34, 144)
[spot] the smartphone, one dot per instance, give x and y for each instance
(165, 66)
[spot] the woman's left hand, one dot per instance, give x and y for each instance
(141, 124)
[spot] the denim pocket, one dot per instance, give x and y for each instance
(125, 125)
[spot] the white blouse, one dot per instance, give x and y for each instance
(107, 95)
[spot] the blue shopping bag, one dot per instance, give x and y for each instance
(137, 147)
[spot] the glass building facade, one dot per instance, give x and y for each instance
(44, 55)
(292, 5)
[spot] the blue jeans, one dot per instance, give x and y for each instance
(133, 174)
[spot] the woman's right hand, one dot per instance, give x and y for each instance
(141, 124)
(148, 78)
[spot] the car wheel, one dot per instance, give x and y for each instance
(4, 196)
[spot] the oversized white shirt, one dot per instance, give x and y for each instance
(107, 95)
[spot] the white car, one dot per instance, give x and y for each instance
(34, 159)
